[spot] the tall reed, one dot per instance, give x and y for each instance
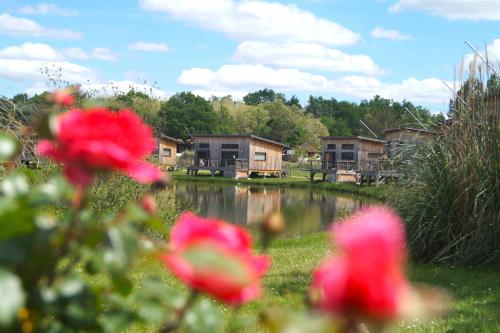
(451, 199)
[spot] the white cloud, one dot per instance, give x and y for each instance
(149, 47)
(34, 51)
(389, 34)
(104, 53)
(256, 20)
(452, 9)
(47, 9)
(31, 70)
(75, 53)
(239, 79)
(491, 53)
(112, 88)
(18, 26)
(305, 56)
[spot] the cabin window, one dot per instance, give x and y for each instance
(347, 156)
(331, 146)
(232, 146)
(203, 146)
(349, 146)
(259, 156)
(166, 152)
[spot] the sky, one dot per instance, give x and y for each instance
(345, 49)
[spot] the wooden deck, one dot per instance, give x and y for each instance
(353, 171)
(239, 168)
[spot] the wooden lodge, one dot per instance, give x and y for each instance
(311, 152)
(236, 156)
(167, 150)
(400, 141)
(348, 158)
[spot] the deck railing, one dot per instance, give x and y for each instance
(363, 165)
(239, 164)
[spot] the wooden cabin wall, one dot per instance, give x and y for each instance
(338, 149)
(408, 136)
(361, 148)
(273, 152)
(370, 147)
(215, 146)
(167, 144)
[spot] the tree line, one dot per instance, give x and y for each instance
(264, 113)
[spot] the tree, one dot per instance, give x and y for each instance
(294, 100)
(145, 106)
(262, 96)
(186, 114)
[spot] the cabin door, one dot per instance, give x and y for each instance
(330, 159)
(229, 157)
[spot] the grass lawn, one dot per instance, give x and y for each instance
(476, 291)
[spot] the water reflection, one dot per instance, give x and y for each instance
(305, 210)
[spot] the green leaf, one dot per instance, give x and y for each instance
(57, 188)
(122, 246)
(121, 284)
(46, 128)
(282, 321)
(10, 147)
(203, 317)
(14, 185)
(155, 289)
(152, 312)
(116, 321)
(15, 218)
(12, 251)
(13, 297)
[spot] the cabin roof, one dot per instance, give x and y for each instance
(238, 136)
(361, 138)
(310, 148)
(166, 137)
(411, 129)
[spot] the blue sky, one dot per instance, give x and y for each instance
(400, 49)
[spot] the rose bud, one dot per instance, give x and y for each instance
(62, 97)
(148, 203)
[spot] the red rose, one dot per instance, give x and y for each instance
(215, 257)
(89, 141)
(366, 278)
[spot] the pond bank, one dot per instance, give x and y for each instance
(382, 192)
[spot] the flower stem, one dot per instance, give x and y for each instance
(171, 327)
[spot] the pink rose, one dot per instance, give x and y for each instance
(62, 97)
(366, 278)
(98, 139)
(215, 257)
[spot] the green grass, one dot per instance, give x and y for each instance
(476, 291)
(382, 192)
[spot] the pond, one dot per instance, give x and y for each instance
(305, 210)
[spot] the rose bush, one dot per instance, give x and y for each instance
(55, 243)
